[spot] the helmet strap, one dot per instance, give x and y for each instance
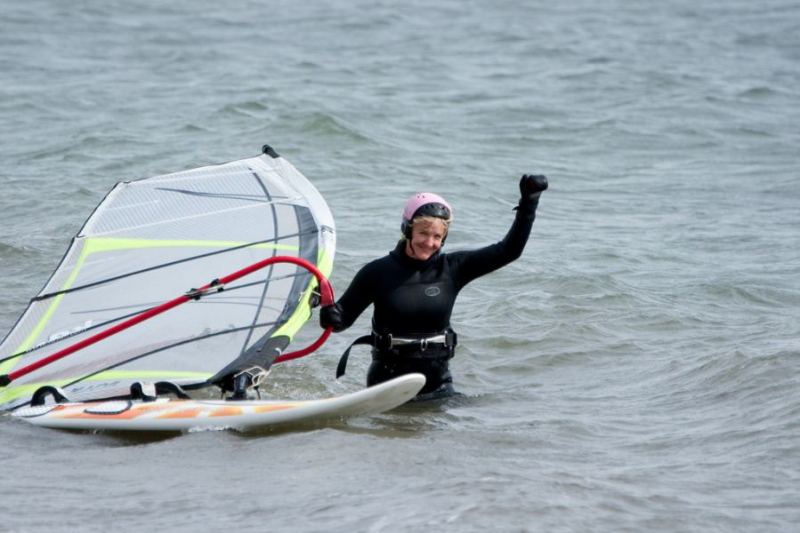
(405, 227)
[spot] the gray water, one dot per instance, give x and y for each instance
(638, 369)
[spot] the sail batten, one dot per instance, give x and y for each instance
(155, 238)
(220, 248)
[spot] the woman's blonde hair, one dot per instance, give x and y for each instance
(429, 220)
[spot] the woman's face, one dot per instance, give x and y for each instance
(426, 239)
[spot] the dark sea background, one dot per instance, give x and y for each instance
(638, 369)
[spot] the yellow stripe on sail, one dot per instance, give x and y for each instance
(303, 311)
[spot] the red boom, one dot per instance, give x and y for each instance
(326, 297)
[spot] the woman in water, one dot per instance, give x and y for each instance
(414, 288)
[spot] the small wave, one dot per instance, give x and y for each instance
(329, 126)
(248, 108)
(757, 92)
(737, 380)
(750, 294)
(193, 128)
(10, 252)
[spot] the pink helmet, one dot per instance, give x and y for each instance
(424, 204)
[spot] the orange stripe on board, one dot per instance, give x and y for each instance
(133, 412)
(191, 412)
(270, 408)
(226, 411)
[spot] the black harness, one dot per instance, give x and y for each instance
(388, 346)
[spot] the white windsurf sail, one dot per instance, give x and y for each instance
(151, 239)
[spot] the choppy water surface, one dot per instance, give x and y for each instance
(637, 370)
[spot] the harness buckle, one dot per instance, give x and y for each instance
(451, 338)
(382, 342)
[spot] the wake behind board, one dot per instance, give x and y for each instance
(184, 415)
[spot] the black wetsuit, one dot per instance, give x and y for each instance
(414, 299)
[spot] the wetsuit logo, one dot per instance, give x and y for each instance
(432, 291)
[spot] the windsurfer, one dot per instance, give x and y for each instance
(415, 286)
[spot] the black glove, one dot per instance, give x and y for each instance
(531, 186)
(331, 316)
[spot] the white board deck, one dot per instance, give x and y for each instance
(183, 415)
